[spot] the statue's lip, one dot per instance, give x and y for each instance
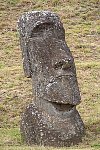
(64, 108)
(65, 102)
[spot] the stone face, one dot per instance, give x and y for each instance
(52, 118)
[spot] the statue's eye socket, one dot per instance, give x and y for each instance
(62, 64)
(66, 65)
(58, 65)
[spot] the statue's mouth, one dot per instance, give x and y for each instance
(63, 107)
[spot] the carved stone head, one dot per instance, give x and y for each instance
(49, 62)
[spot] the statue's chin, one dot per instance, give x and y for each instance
(54, 126)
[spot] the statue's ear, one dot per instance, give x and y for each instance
(26, 58)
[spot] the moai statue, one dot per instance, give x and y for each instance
(51, 119)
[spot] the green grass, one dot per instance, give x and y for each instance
(81, 22)
(10, 136)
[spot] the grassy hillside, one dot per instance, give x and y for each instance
(81, 22)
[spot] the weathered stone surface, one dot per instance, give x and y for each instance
(52, 118)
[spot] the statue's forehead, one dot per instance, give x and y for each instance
(53, 50)
(29, 20)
